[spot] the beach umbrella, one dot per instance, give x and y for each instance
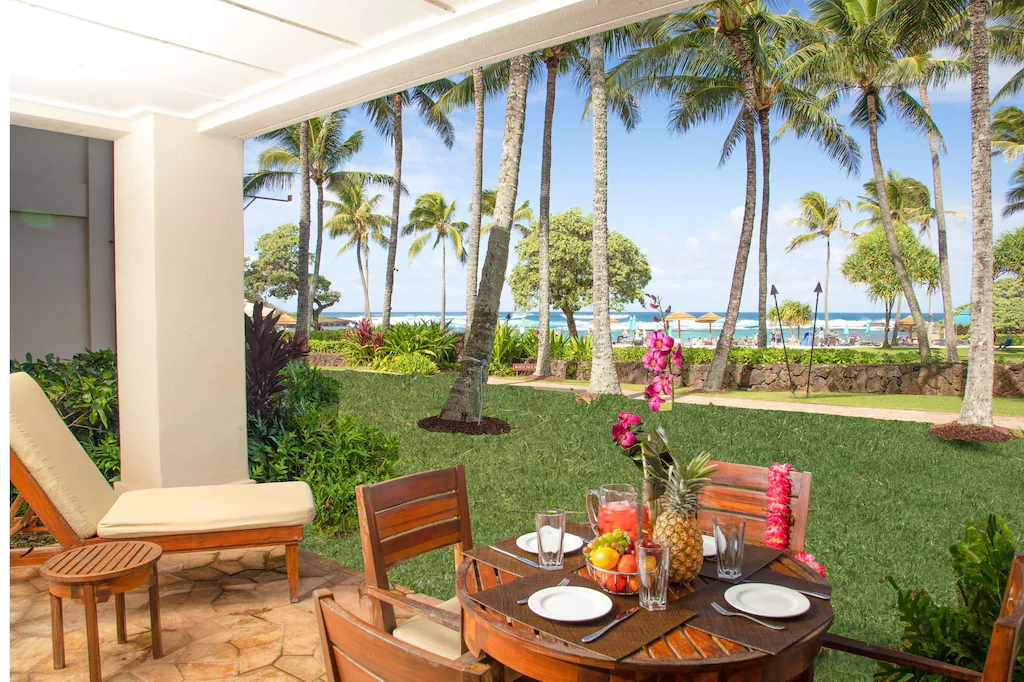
(867, 330)
(678, 317)
(962, 318)
(708, 319)
(907, 323)
(632, 324)
(846, 329)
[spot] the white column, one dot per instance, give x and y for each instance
(180, 338)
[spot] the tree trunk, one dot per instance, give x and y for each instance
(366, 264)
(977, 405)
(888, 318)
(720, 360)
(828, 270)
(362, 280)
(543, 231)
(762, 244)
(319, 240)
(389, 276)
(948, 328)
(570, 321)
(603, 378)
(444, 282)
(896, 322)
(473, 250)
(302, 314)
(466, 399)
(890, 232)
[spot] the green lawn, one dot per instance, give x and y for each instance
(1007, 406)
(887, 498)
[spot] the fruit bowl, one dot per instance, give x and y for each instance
(614, 582)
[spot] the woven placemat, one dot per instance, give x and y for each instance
(747, 632)
(571, 562)
(767, 575)
(637, 631)
(755, 557)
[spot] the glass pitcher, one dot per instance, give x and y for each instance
(616, 507)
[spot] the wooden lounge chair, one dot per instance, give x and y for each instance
(400, 519)
(741, 490)
(1002, 648)
(66, 491)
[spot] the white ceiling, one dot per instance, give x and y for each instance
(241, 67)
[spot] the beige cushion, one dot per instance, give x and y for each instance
(54, 458)
(435, 638)
(202, 509)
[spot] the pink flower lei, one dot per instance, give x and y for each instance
(776, 533)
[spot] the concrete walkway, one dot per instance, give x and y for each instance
(923, 416)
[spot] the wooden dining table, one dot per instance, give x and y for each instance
(683, 654)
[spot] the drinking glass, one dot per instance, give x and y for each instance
(653, 565)
(729, 544)
(550, 534)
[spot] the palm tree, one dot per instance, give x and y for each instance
(865, 56)
(304, 312)
(465, 400)
(474, 89)
(386, 115)
(355, 217)
(1008, 140)
(821, 219)
(522, 217)
(432, 215)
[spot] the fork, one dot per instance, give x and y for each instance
(561, 584)
(726, 612)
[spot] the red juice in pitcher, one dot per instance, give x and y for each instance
(620, 514)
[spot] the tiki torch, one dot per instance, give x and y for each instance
(814, 332)
(785, 353)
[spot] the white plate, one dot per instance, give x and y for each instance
(709, 546)
(570, 543)
(768, 601)
(569, 604)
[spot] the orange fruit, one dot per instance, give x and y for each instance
(633, 584)
(615, 583)
(627, 564)
(651, 563)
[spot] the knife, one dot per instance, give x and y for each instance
(618, 619)
(515, 556)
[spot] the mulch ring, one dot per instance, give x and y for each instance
(972, 433)
(488, 426)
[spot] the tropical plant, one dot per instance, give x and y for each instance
(865, 56)
(580, 348)
(433, 216)
(571, 277)
(432, 339)
(870, 264)
(959, 634)
(522, 217)
(821, 219)
(267, 351)
(386, 115)
(1008, 141)
(355, 218)
(1009, 253)
(416, 362)
(791, 314)
(511, 344)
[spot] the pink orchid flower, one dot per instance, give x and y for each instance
(654, 361)
(654, 402)
(623, 435)
(677, 357)
(629, 418)
(662, 385)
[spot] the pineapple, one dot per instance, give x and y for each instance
(676, 526)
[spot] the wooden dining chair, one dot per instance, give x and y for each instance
(1002, 648)
(400, 519)
(742, 490)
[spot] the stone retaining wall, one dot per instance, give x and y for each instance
(903, 378)
(326, 359)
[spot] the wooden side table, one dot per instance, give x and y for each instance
(92, 573)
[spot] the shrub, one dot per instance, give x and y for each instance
(327, 334)
(432, 339)
(84, 392)
(512, 345)
(406, 363)
(959, 634)
(328, 346)
(581, 349)
(267, 351)
(500, 369)
(758, 356)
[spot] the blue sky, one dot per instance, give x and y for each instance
(666, 193)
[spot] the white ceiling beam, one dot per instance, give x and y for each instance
(64, 120)
(295, 24)
(488, 35)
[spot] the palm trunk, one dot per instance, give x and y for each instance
(366, 264)
(570, 322)
(888, 318)
(828, 270)
(543, 231)
(720, 360)
(466, 399)
(603, 378)
(977, 405)
(896, 322)
(389, 276)
(948, 328)
(444, 282)
(890, 232)
(362, 280)
(319, 237)
(473, 250)
(302, 314)
(762, 244)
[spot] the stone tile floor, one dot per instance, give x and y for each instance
(225, 615)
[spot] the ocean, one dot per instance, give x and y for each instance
(840, 322)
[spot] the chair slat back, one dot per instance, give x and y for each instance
(1006, 634)
(408, 516)
(354, 652)
(741, 490)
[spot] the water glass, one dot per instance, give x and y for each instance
(550, 535)
(653, 565)
(729, 544)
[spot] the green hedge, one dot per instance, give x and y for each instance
(772, 356)
(326, 346)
